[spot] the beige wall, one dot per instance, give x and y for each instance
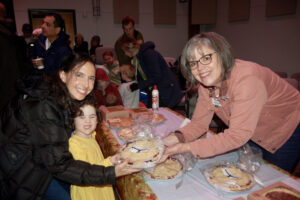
(169, 39)
(273, 42)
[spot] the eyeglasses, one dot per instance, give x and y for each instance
(204, 60)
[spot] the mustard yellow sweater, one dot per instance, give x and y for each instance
(87, 149)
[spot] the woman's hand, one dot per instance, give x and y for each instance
(170, 140)
(163, 158)
(124, 169)
(176, 149)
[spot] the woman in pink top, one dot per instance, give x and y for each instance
(254, 102)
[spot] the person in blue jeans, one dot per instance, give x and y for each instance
(34, 132)
(280, 159)
(58, 190)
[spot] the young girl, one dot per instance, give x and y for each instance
(130, 98)
(35, 128)
(84, 146)
(107, 93)
(113, 67)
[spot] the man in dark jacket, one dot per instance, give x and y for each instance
(9, 63)
(152, 69)
(52, 44)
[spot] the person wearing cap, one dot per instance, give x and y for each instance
(107, 93)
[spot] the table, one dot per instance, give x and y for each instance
(194, 184)
(132, 186)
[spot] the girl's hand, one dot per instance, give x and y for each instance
(124, 169)
(115, 158)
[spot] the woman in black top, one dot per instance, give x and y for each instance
(34, 133)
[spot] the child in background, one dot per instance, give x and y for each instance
(84, 146)
(130, 99)
(107, 93)
(113, 67)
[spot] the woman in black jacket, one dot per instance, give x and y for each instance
(34, 132)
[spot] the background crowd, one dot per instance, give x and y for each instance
(51, 89)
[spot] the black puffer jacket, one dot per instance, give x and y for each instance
(34, 148)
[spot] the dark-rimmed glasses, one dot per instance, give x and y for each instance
(204, 60)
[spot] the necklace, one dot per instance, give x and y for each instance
(214, 94)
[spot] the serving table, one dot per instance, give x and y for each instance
(192, 184)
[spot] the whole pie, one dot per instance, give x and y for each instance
(229, 178)
(120, 122)
(158, 118)
(154, 118)
(169, 169)
(126, 134)
(142, 153)
(281, 192)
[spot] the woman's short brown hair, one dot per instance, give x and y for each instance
(213, 41)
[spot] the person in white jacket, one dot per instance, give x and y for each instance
(130, 98)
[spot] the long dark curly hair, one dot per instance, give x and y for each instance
(59, 90)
